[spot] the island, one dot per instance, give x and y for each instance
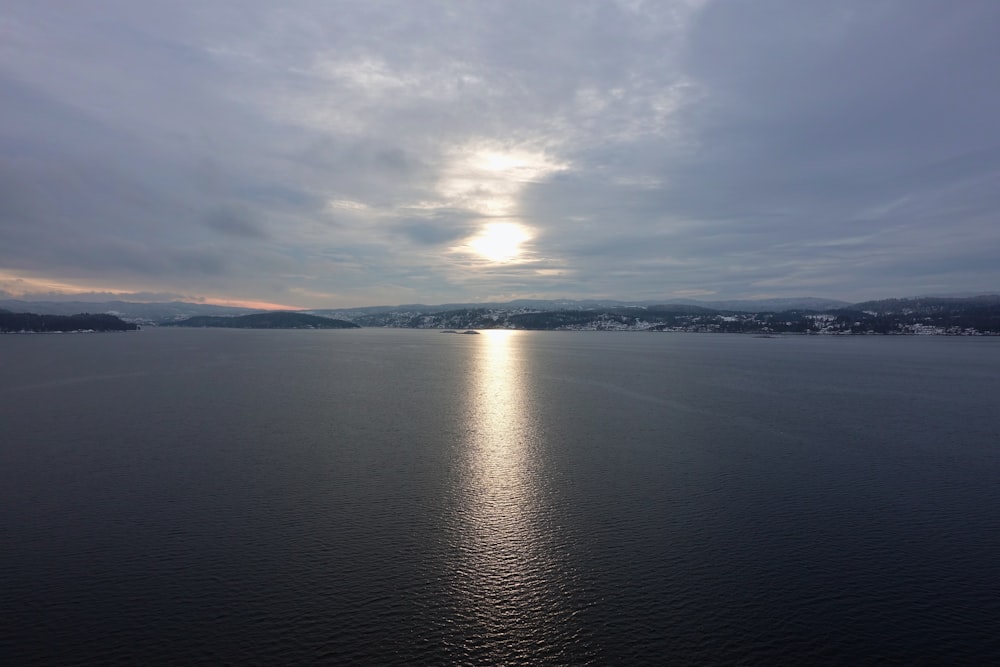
(81, 322)
(272, 320)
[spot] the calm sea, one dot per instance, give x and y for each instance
(412, 497)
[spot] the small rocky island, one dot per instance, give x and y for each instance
(273, 320)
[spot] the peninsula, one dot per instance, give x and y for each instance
(82, 322)
(272, 320)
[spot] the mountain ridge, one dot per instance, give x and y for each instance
(173, 311)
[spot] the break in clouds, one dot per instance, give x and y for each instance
(353, 153)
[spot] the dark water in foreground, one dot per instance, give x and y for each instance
(372, 496)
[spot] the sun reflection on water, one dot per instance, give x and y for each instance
(511, 577)
(502, 443)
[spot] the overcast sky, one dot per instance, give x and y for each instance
(326, 154)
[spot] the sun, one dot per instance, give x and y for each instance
(499, 241)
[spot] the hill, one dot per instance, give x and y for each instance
(30, 322)
(953, 316)
(145, 313)
(927, 314)
(272, 320)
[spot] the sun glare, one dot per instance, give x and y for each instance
(499, 241)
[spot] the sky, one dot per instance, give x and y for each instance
(325, 154)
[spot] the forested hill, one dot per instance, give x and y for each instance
(274, 320)
(30, 322)
(946, 316)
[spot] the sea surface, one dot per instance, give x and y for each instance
(411, 497)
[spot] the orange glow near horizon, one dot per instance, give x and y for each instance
(257, 305)
(37, 288)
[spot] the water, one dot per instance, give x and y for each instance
(407, 497)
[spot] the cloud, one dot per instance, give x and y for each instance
(439, 229)
(348, 153)
(234, 223)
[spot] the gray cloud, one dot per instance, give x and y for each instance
(234, 223)
(342, 153)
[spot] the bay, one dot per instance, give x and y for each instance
(408, 497)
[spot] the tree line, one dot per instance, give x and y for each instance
(18, 322)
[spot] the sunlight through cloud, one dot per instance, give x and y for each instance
(488, 179)
(500, 241)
